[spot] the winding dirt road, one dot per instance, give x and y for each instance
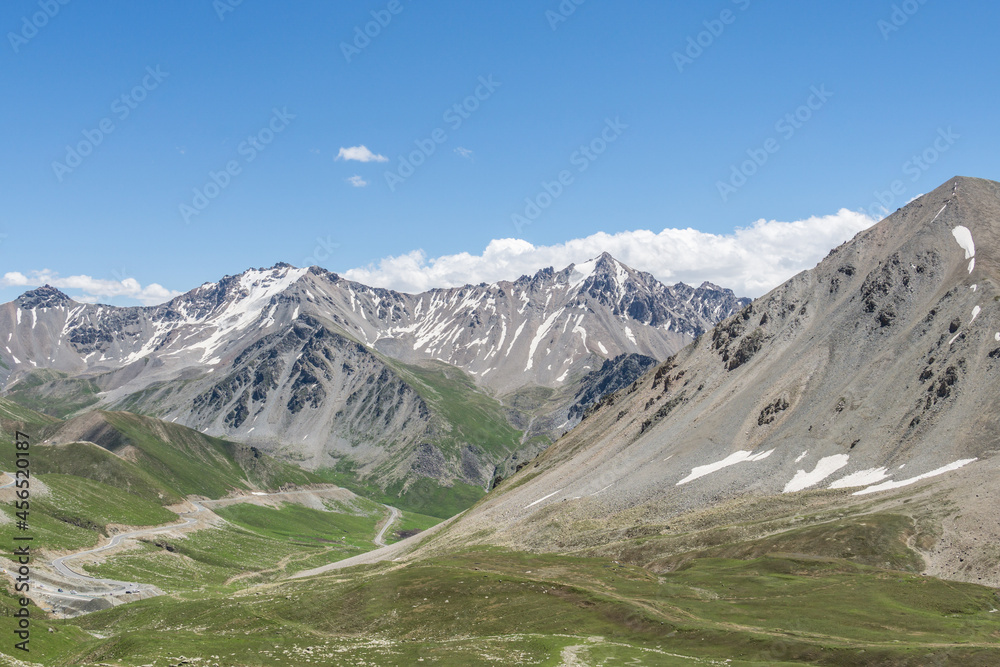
(60, 564)
(62, 567)
(394, 514)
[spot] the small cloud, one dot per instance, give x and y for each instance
(464, 152)
(357, 182)
(361, 154)
(181, 150)
(314, 151)
(14, 279)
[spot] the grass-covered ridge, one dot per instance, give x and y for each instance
(463, 416)
(305, 525)
(470, 416)
(54, 393)
(13, 416)
(149, 458)
(195, 463)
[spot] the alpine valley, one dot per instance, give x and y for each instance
(582, 467)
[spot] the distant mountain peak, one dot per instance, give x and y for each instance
(605, 259)
(45, 296)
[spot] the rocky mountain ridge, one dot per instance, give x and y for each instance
(867, 382)
(331, 373)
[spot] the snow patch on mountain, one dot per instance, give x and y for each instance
(861, 478)
(824, 468)
(889, 486)
(733, 459)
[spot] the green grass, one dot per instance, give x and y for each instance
(98, 503)
(410, 523)
(300, 524)
(876, 539)
(424, 496)
(468, 607)
(217, 560)
(89, 461)
(815, 524)
(14, 416)
(809, 597)
(51, 641)
(258, 544)
(76, 512)
(154, 460)
(194, 463)
(48, 532)
(472, 417)
(54, 393)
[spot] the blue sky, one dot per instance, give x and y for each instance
(893, 77)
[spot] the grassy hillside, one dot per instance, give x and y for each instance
(144, 465)
(194, 463)
(489, 606)
(463, 416)
(147, 457)
(76, 512)
(15, 416)
(257, 545)
(470, 416)
(424, 496)
(409, 524)
(305, 525)
(54, 392)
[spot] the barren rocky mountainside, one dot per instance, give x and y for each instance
(866, 385)
(450, 384)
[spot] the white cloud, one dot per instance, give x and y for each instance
(361, 154)
(751, 261)
(93, 289)
(464, 152)
(357, 181)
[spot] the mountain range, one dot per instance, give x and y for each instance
(453, 385)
